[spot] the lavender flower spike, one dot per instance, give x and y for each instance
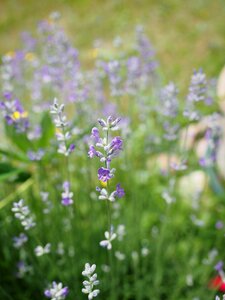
(91, 281)
(56, 291)
(22, 213)
(63, 136)
(20, 240)
(67, 194)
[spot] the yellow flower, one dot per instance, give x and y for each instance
(30, 56)
(17, 115)
(103, 184)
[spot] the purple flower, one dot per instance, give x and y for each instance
(202, 162)
(9, 120)
(115, 145)
(36, 156)
(219, 225)
(56, 291)
(168, 105)
(104, 174)
(119, 191)
(95, 134)
(71, 148)
(219, 266)
(197, 87)
(20, 240)
(92, 152)
(7, 95)
(197, 93)
(67, 194)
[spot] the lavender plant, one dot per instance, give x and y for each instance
(56, 291)
(22, 213)
(91, 282)
(65, 147)
(108, 150)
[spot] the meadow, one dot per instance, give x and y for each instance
(112, 151)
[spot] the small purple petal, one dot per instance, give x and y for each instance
(104, 174)
(119, 191)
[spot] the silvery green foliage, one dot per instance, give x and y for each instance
(22, 213)
(91, 281)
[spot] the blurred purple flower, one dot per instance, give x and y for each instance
(104, 174)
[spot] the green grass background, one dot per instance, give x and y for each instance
(186, 34)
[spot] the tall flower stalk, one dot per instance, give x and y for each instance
(90, 282)
(106, 149)
(65, 147)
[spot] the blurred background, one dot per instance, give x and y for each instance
(185, 34)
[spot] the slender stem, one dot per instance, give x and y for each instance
(67, 157)
(109, 217)
(107, 188)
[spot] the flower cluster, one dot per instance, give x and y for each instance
(36, 155)
(56, 291)
(91, 281)
(61, 124)
(104, 195)
(197, 93)
(66, 194)
(213, 136)
(14, 113)
(168, 110)
(22, 213)
(19, 241)
(106, 151)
